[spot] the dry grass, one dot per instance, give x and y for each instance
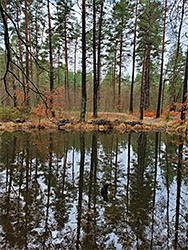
(116, 121)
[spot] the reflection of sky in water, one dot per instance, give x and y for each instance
(111, 237)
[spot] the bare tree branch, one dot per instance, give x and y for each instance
(8, 48)
(22, 40)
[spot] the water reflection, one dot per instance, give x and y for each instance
(54, 192)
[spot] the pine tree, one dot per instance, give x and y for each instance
(134, 58)
(121, 15)
(162, 62)
(172, 90)
(95, 87)
(64, 21)
(148, 45)
(84, 97)
(27, 54)
(179, 72)
(111, 44)
(50, 48)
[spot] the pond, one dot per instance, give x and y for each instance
(54, 192)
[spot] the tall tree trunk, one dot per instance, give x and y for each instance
(120, 65)
(134, 57)
(114, 79)
(142, 88)
(13, 87)
(50, 48)
(84, 96)
(172, 92)
(20, 50)
(37, 57)
(162, 62)
(8, 99)
(58, 70)
(7, 48)
(65, 83)
(31, 66)
(50, 56)
(147, 81)
(66, 65)
(184, 98)
(99, 48)
(27, 55)
(75, 56)
(95, 87)
(20, 46)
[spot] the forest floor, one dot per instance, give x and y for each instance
(106, 121)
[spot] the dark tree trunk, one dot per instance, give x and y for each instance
(142, 88)
(84, 96)
(37, 57)
(66, 65)
(50, 56)
(31, 66)
(8, 99)
(20, 46)
(120, 64)
(27, 55)
(95, 87)
(50, 48)
(172, 92)
(58, 70)
(163, 91)
(65, 83)
(13, 87)
(184, 98)
(147, 81)
(7, 52)
(99, 49)
(162, 62)
(134, 57)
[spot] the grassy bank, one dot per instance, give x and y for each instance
(11, 120)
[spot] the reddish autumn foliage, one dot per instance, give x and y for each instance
(147, 113)
(54, 101)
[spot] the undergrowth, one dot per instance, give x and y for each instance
(10, 114)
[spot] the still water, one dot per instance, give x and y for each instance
(50, 191)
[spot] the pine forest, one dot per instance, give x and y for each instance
(94, 55)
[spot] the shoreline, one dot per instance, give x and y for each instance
(101, 125)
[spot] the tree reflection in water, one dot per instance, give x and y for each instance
(50, 191)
